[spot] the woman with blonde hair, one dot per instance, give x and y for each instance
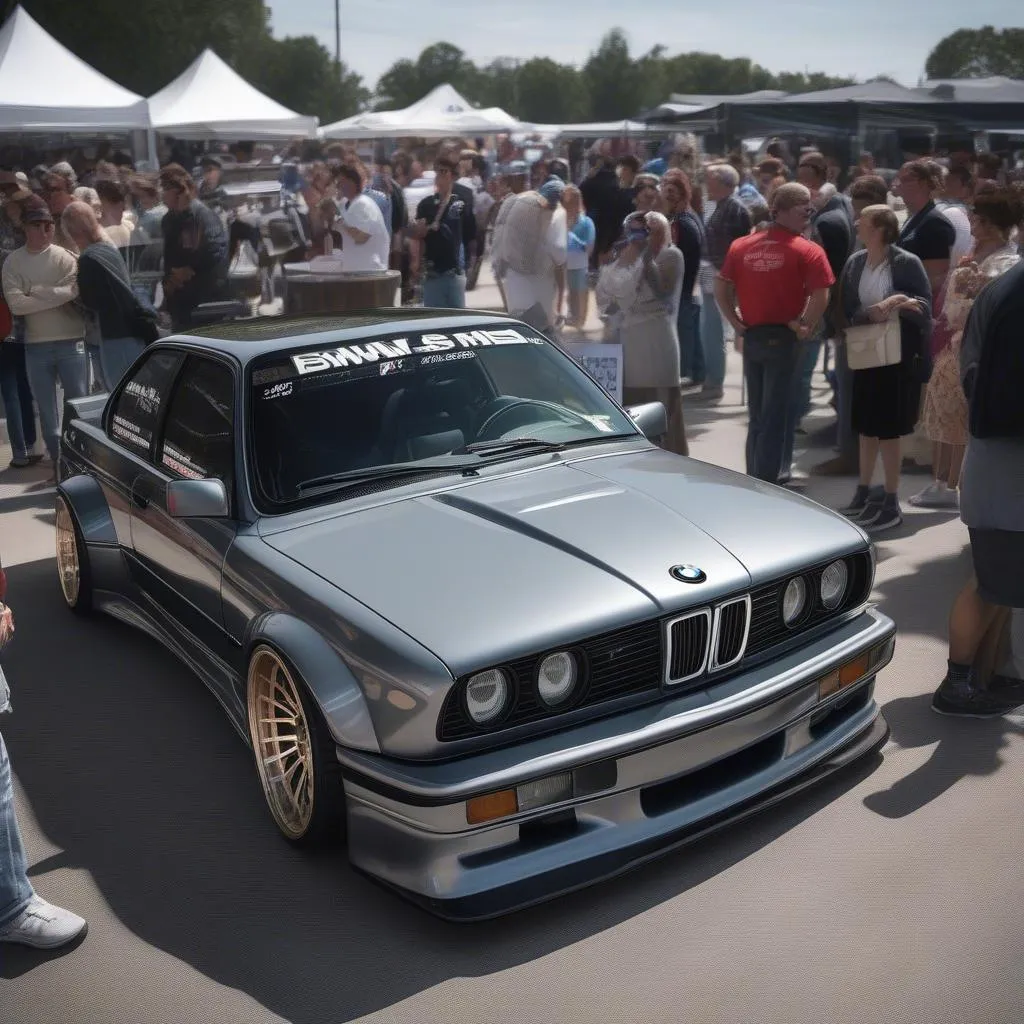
(944, 418)
(644, 282)
(581, 238)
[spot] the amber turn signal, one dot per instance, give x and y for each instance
(480, 809)
(845, 675)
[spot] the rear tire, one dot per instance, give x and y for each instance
(294, 752)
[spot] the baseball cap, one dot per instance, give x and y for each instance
(35, 211)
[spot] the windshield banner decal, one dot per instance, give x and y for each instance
(398, 348)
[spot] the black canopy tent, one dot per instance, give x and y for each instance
(854, 115)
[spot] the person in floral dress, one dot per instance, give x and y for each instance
(944, 418)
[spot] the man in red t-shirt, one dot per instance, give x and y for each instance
(773, 289)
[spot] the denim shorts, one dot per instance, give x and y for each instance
(577, 280)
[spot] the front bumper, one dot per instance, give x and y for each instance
(656, 778)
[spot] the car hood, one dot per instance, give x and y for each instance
(504, 566)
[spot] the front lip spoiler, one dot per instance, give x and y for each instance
(560, 881)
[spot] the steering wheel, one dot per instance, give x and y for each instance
(481, 434)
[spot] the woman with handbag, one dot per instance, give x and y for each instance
(885, 305)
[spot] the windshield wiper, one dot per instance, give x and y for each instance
(355, 477)
(513, 444)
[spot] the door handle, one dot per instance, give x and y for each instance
(139, 500)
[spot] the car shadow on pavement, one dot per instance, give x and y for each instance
(963, 747)
(132, 770)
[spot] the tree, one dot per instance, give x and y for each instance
(407, 81)
(978, 53)
(549, 93)
(299, 72)
(612, 80)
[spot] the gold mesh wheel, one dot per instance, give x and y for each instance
(68, 566)
(281, 742)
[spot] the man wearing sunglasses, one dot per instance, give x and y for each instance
(40, 284)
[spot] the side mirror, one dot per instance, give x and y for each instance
(651, 419)
(197, 499)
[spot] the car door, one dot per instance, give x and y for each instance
(131, 422)
(179, 561)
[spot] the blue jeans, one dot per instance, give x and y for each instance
(691, 349)
(15, 890)
(46, 363)
(769, 370)
(445, 291)
(17, 396)
(712, 338)
(116, 355)
(800, 401)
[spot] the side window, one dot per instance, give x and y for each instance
(198, 440)
(137, 407)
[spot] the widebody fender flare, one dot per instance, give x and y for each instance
(89, 505)
(324, 671)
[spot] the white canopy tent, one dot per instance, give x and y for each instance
(46, 88)
(209, 100)
(442, 112)
(590, 130)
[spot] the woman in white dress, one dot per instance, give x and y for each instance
(643, 284)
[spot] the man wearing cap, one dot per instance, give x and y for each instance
(211, 191)
(40, 284)
(530, 241)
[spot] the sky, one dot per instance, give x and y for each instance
(882, 38)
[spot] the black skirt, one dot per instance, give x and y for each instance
(886, 401)
(997, 557)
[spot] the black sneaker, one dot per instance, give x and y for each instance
(19, 462)
(872, 510)
(887, 519)
(963, 700)
(856, 507)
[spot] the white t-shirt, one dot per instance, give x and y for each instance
(364, 214)
(964, 242)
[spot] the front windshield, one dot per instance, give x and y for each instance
(427, 398)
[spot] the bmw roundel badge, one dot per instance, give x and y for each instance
(688, 573)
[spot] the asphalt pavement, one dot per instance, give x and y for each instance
(889, 894)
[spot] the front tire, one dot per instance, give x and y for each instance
(72, 560)
(294, 752)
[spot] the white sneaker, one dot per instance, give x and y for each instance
(43, 926)
(938, 494)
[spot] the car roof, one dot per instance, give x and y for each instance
(249, 339)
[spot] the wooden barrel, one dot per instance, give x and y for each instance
(339, 293)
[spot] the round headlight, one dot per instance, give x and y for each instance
(833, 585)
(556, 678)
(794, 600)
(486, 695)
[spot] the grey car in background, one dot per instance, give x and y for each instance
(461, 607)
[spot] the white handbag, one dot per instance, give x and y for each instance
(869, 346)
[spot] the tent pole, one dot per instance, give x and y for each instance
(337, 34)
(151, 155)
